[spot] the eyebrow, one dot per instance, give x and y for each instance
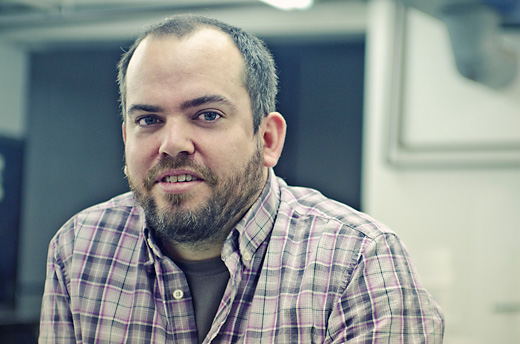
(143, 107)
(212, 98)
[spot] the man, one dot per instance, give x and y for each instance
(210, 246)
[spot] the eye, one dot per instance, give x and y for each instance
(146, 121)
(209, 116)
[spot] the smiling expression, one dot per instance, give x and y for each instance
(188, 127)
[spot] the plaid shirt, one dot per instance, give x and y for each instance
(304, 269)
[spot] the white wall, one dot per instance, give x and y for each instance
(462, 225)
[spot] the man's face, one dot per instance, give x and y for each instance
(192, 158)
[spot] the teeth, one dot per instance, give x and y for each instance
(179, 178)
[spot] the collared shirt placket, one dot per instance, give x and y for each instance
(232, 260)
(173, 299)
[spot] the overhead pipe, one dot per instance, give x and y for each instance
(474, 30)
(63, 16)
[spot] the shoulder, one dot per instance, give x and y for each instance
(328, 233)
(301, 204)
(324, 237)
(308, 224)
(117, 219)
(312, 225)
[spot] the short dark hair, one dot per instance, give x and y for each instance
(260, 77)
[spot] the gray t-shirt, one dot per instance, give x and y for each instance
(207, 280)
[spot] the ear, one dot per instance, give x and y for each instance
(123, 129)
(273, 134)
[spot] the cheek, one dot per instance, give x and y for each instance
(236, 155)
(137, 158)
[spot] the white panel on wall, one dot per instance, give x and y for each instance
(13, 83)
(481, 116)
(441, 118)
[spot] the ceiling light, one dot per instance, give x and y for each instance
(290, 4)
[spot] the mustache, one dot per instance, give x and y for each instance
(180, 162)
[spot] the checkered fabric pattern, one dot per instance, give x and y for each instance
(304, 269)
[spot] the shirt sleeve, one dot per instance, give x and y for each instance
(384, 301)
(56, 325)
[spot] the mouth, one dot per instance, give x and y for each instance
(177, 177)
(177, 181)
(181, 178)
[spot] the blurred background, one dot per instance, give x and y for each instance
(407, 110)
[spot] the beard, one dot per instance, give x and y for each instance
(212, 220)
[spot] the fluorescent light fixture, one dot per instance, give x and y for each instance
(290, 4)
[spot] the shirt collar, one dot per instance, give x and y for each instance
(152, 248)
(256, 225)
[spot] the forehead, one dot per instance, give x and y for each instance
(205, 48)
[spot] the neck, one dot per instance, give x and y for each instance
(193, 252)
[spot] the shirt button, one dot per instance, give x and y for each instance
(246, 256)
(178, 294)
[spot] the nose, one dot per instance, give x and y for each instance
(176, 139)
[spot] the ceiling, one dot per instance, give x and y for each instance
(36, 23)
(477, 45)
